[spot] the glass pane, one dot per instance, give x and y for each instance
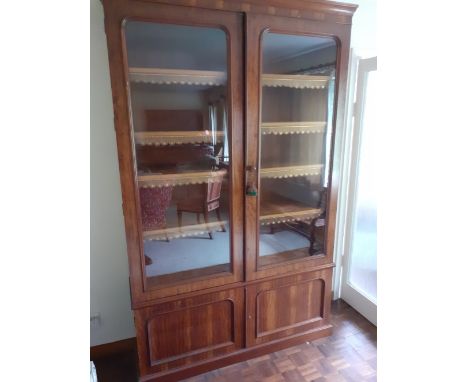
(178, 81)
(363, 265)
(296, 117)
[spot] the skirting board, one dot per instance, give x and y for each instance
(106, 350)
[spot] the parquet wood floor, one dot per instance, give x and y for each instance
(349, 355)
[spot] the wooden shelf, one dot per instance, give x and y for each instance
(179, 277)
(283, 128)
(296, 81)
(165, 138)
(215, 78)
(284, 217)
(179, 179)
(184, 231)
(160, 76)
(282, 210)
(290, 171)
(282, 257)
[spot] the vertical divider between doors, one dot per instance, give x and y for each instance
(251, 150)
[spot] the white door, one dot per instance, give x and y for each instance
(359, 274)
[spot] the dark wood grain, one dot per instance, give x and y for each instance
(165, 157)
(116, 12)
(223, 287)
(184, 276)
(348, 355)
(242, 355)
(275, 204)
(177, 334)
(256, 24)
(108, 350)
(183, 337)
(195, 322)
(287, 306)
(173, 120)
(318, 10)
(282, 257)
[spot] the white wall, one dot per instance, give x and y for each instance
(110, 294)
(364, 30)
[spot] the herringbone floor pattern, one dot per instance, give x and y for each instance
(349, 355)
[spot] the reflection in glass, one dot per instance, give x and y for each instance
(180, 128)
(296, 125)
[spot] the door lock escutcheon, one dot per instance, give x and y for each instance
(251, 180)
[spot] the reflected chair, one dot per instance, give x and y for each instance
(317, 226)
(202, 200)
(154, 203)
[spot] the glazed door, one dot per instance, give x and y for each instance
(180, 139)
(293, 73)
(359, 276)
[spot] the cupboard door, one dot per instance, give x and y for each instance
(180, 145)
(291, 112)
(188, 331)
(288, 306)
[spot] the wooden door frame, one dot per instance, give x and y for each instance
(255, 25)
(116, 15)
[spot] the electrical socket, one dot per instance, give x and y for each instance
(95, 320)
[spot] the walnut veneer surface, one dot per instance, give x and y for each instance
(348, 355)
(207, 321)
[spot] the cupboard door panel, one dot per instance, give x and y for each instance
(305, 302)
(187, 331)
(288, 306)
(293, 75)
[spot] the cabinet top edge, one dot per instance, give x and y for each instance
(307, 9)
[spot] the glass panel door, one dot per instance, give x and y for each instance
(359, 277)
(178, 78)
(363, 255)
(297, 98)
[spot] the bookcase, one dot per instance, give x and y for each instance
(228, 117)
